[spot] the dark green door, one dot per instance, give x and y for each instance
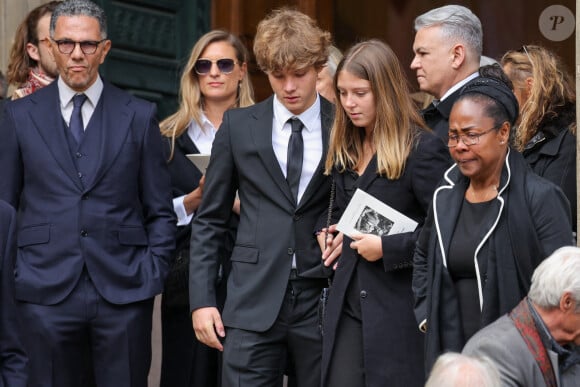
(151, 42)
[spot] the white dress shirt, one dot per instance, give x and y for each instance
(311, 135)
(66, 95)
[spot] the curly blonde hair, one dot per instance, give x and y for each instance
(287, 38)
(552, 88)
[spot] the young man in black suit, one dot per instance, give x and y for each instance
(273, 155)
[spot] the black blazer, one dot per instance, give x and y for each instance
(393, 346)
(437, 117)
(184, 177)
(272, 227)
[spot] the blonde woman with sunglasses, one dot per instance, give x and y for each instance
(214, 80)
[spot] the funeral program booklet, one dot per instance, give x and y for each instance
(201, 161)
(366, 214)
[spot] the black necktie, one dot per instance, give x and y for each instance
(295, 155)
(76, 119)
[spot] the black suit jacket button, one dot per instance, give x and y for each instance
(84, 233)
(297, 217)
(78, 155)
(290, 251)
(363, 294)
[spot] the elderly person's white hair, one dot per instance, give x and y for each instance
(334, 57)
(456, 370)
(556, 275)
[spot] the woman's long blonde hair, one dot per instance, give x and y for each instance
(552, 88)
(191, 99)
(397, 119)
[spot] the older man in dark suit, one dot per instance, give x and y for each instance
(447, 48)
(273, 155)
(82, 162)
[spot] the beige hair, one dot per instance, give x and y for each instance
(20, 62)
(288, 38)
(397, 119)
(552, 88)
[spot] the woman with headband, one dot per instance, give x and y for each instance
(492, 220)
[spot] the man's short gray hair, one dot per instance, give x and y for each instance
(556, 275)
(79, 8)
(457, 23)
(458, 370)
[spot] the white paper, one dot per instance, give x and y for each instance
(365, 214)
(201, 161)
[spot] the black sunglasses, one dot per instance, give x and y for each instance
(203, 66)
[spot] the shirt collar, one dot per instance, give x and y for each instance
(93, 93)
(308, 117)
(458, 85)
(196, 131)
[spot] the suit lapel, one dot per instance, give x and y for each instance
(369, 175)
(47, 119)
(446, 214)
(262, 135)
(115, 124)
(185, 144)
(327, 119)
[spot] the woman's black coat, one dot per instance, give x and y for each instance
(393, 346)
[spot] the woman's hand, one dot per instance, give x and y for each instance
(192, 200)
(236, 206)
(330, 245)
(368, 246)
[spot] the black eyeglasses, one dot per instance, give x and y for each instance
(88, 47)
(468, 138)
(225, 65)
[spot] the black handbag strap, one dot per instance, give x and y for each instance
(329, 215)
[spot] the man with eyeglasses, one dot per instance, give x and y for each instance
(31, 67)
(448, 45)
(82, 163)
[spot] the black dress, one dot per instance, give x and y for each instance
(469, 231)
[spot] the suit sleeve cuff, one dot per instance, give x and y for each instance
(182, 218)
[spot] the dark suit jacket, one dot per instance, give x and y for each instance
(12, 357)
(118, 222)
(393, 346)
(272, 228)
(185, 178)
(437, 117)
